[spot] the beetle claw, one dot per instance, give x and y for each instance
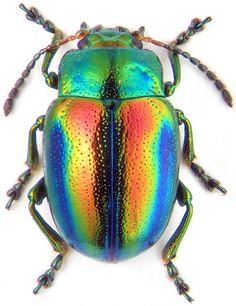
(180, 284)
(37, 288)
(14, 192)
(45, 280)
(188, 297)
(209, 182)
(212, 183)
(9, 203)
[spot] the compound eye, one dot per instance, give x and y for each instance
(82, 43)
(137, 43)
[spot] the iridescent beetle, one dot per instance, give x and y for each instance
(111, 146)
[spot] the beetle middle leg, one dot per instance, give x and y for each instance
(184, 198)
(36, 196)
(32, 163)
(189, 155)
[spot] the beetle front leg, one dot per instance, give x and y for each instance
(32, 163)
(195, 26)
(189, 155)
(184, 198)
(51, 78)
(175, 64)
(36, 196)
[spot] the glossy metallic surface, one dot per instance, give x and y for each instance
(111, 172)
(111, 73)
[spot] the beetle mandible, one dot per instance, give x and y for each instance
(111, 145)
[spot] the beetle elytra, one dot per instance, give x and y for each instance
(111, 145)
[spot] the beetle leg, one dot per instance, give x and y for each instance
(33, 155)
(45, 280)
(174, 51)
(189, 155)
(51, 78)
(184, 198)
(169, 86)
(32, 162)
(36, 196)
(195, 26)
(15, 192)
(33, 15)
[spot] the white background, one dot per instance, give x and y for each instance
(206, 257)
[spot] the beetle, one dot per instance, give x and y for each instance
(111, 146)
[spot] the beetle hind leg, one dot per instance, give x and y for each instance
(184, 198)
(36, 197)
(189, 156)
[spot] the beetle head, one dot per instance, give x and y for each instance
(119, 37)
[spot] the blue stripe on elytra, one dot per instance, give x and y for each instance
(168, 174)
(58, 190)
(165, 178)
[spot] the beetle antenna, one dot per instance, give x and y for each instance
(195, 26)
(211, 76)
(203, 68)
(15, 90)
(32, 14)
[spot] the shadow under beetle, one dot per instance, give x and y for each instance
(111, 146)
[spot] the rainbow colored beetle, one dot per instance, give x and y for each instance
(111, 146)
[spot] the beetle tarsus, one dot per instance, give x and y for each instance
(45, 280)
(209, 182)
(32, 14)
(195, 26)
(15, 192)
(184, 198)
(29, 12)
(221, 189)
(189, 155)
(9, 203)
(181, 286)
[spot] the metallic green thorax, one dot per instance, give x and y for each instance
(106, 71)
